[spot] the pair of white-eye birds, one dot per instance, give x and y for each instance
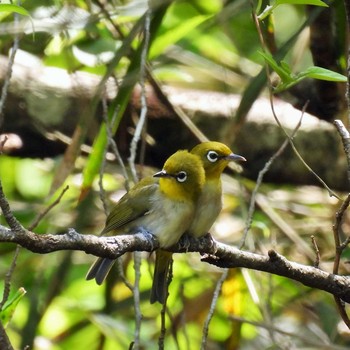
(184, 197)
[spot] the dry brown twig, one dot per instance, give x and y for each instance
(46, 210)
(345, 137)
(339, 248)
(337, 230)
(317, 251)
(2, 143)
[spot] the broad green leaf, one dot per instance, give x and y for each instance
(322, 74)
(10, 306)
(14, 8)
(173, 35)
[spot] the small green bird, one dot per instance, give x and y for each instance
(215, 157)
(164, 205)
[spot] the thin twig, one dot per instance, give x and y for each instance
(2, 143)
(288, 230)
(296, 152)
(339, 247)
(161, 338)
(8, 276)
(133, 151)
(342, 311)
(347, 12)
(317, 251)
(259, 180)
(114, 147)
(8, 215)
(345, 137)
(4, 339)
(137, 304)
(102, 192)
(122, 276)
(312, 341)
(41, 215)
(210, 315)
(143, 113)
(164, 310)
(173, 330)
(8, 75)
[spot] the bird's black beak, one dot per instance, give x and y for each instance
(235, 157)
(162, 173)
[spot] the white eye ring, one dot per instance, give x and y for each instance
(181, 176)
(212, 156)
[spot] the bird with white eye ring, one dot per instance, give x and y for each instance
(215, 157)
(162, 204)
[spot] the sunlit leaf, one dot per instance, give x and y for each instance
(270, 8)
(301, 2)
(14, 9)
(283, 70)
(174, 35)
(323, 74)
(10, 306)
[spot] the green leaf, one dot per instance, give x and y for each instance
(285, 66)
(257, 84)
(14, 8)
(173, 35)
(283, 70)
(270, 8)
(119, 104)
(322, 74)
(10, 306)
(301, 2)
(94, 160)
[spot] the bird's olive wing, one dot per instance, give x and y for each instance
(133, 205)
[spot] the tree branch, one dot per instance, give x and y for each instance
(274, 263)
(214, 252)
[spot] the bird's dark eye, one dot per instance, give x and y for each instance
(212, 156)
(181, 176)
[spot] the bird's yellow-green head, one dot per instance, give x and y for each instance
(182, 177)
(215, 156)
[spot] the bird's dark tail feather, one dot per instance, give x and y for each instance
(159, 291)
(100, 269)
